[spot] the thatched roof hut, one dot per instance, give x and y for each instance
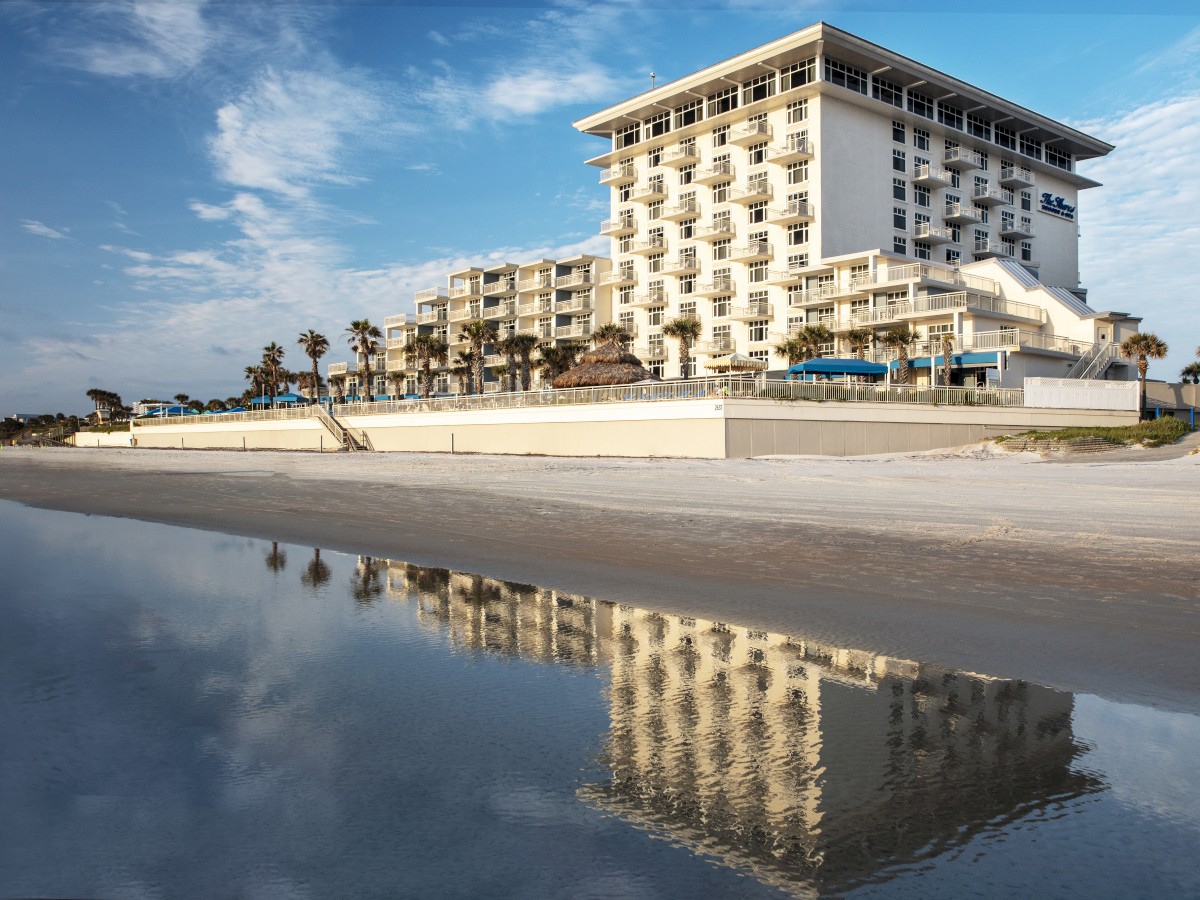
(610, 363)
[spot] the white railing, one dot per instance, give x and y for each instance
(987, 192)
(795, 144)
(264, 415)
(652, 297)
(566, 331)
(434, 315)
(624, 223)
(1016, 174)
(1021, 338)
(340, 368)
(964, 300)
(649, 191)
(813, 295)
(752, 191)
(723, 169)
(751, 251)
(657, 351)
(751, 130)
(996, 248)
(717, 229)
(721, 343)
(574, 279)
(922, 272)
(395, 321)
(962, 155)
(683, 208)
(502, 286)
(434, 293)
(758, 309)
(929, 232)
(927, 172)
(682, 264)
(618, 275)
(658, 242)
(616, 173)
(716, 286)
(536, 283)
(500, 311)
(1104, 357)
(682, 153)
(575, 303)
(538, 306)
(795, 208)
(463, 290)
(959, 211)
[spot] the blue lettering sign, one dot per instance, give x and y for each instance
(1057, 206)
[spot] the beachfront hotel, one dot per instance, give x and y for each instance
(816, 180)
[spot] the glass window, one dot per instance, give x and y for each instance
(797, 112)
(722, 101)
(898, 161)
(888, 92)
(687, 173)
(1026, 251)
(720, 307)
(658, 124)
(898, 133)
(920, 138)
(845, 76)
(759, 330)
(1006, 137)
(899, 189)
(900, 245)
(721, 136)
(798, 74)
(798, 234)
(797, 172)
(688, 114)
(1031, 147)
(627, 136)
(900, 218)
(922, 196)
(1026, 200)
(922, 250)
(950, 116)
(758, 154)
(720, 192)
(979, 127)
(759, 88)
(920, 104)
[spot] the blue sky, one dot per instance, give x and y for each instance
(182, 183)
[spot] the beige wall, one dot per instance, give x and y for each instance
(299, 434)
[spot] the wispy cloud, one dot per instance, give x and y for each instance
(137, 38)
(43, 230)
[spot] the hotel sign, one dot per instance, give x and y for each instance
(1058, 206)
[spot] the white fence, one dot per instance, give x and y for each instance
(1078, 393)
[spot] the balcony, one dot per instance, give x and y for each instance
(821, 294)
(537, 283)
(932, 234)
(759, 309)
(618, 175)
(655, 244)
(992, 249)
(653, 298)
(721, 343)
(538, 307)
(396, 321)
(574, 303)
(677, 157)
(959, 214)
(501, 310)
(794, 149)
(397, 343)
(1018, 230)
(630, 328)
(542, 332)
(500, 288)
(881, 315)
(683, 265)
(785, 276)
(687, 209)
(578, 330)
(986, 195)
(338, 369)
(932, 176)
(753, 192)
(1016, 177)
(795, 211)
(714, 288)
(924, 272)
(940, 304)
(430, 295)
(471, 289)
(753, 252)
(574, 281)
(750, 133)
(618, 227)
(618, 277)
(650, 354)
(715, 173)
(467, 314)
(718, 231)
(1025, 340)
(433, 316)
(962, 159)
(649, 193)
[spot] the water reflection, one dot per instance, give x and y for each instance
(814, 768)
(317, 573)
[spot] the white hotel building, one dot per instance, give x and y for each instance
(817, 179)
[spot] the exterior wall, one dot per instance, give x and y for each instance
(101, 439)
(1075, 393)
(298, 434)
(855, 177)
(1056, 241)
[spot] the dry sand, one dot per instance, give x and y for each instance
(1083, 574)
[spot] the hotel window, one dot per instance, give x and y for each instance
(1026, 251)
(796, 198)
(688, 310)
(955, 179)
(899, 245)
(758, 330)
(720, 193)
(1027, 224)
(1026, 200)
(979, 127)
(1006, 137)
(797, 112)
(759, 88)
(797, 234)
(687, 173)
(1058, 158)
(688, 114)
(888, 92)
(950, 116)
(655, 236)
(721, 218)
(1031, 147)
(722, 101)
(796, 297)
(981, 239)
(920, 138)
(1007, 220)
(899, 189)
(920, 104)
(625, 295)
(845, 76)
(654, 157)
(981, 213)
(797, 172)
(857, 307)
(757, 272)
(922, 250)
(654, 210)
(655, 263)
(654, 315)
(624, 192)
(898, 161)
(687, 229)
(658, 125)
(821, 314)
(922, 196)
(720, 137)
(956, 234)
(624, 244)
(920, 219)
(798, 74)
(721, 249)
(721, 277)
(721, 337)
(954, 257)
(1008, 247)
(892, 297)
(720, 307)
(757, 237)
(757, 154)
(898, 132)
(797, 261)
(687, 284)
(627, 136)
(757, 213)
(900, 218)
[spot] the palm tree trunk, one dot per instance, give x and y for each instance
(316, 381)
(1143, 366)
(903, 365)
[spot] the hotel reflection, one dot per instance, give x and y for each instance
(810, 767)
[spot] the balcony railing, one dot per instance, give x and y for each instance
(618, 226)
(575, 303)
(536, 307)
(991, 196)
(796, 147)
(651, 353)
(433, 315)
(655, 244)
(459, 291)
(618, 175)
(537, 283)
(962, 158)
(755, 250)
(503, 286)
(338, 368)
(576, 279)
(721, 343)
(715, 172)
(430, 294)
(501, 311)
(795, 211)
(1016, 177)
(618, 276)
(751, 193)
(396, 321)
(681, 266)
(715, 232)
(750, 132)
(925, 174)
(684, 154)
(584, 329)
(925, 272)
(933, 234)
(756, 309)
(682, 210)
(1019, 230)
(960, 213)
(648, 193)
(715, 287)
(985, 249)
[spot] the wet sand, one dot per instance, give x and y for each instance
(1083, 575)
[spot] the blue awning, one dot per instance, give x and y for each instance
(837, 367)
(282, 398)
(956, 359)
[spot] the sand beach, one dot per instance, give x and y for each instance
(1080, 573)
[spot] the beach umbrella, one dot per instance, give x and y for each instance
(736, 362)
(610, 363)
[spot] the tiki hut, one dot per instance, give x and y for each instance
(609, 363)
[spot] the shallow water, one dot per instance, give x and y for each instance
(186, 714)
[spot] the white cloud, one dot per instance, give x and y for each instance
(1140, 231)
(530, 92)
(42, 230)
(138, 38)
(438, 38)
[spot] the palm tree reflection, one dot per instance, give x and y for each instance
(367, 583)
(276, 559)
(316, 573)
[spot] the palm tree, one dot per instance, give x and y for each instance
(426, 351)
(813, 336)
(272, 368)
(464, 370)
(556, 359)
(363, 338)
(337, 387)
(316, 573)
(947, 349)
(215, 405)
(859, 340)
(276, 559)
(524, 343)
(610, 333)
(182, 400)
(1143, 346)
(685, 331)
(477, 334)
(315, 346)
(902, 338)
(1190, 374)
(792, 349)
(505, 346)
(365, 584)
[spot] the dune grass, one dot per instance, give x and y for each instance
(1151, 433)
